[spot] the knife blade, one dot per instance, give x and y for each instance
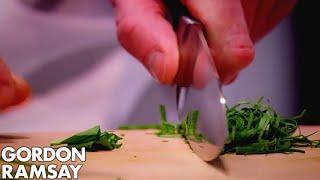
(199, 88)
(198, 84)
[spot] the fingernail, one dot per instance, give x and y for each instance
(155, 63)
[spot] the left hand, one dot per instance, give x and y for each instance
(13, 90)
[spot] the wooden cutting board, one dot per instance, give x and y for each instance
(146, 156)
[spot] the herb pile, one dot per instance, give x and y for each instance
(255, 128)
(92, 139)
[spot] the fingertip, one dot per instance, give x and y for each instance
(145, 33)
(171, 67)
(6, 96)
(22, 90)
(241, 57)
(163, 65)
(6, 86)
(170, 59)
(230, 62)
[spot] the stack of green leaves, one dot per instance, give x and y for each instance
(255, 128)
(92, 139)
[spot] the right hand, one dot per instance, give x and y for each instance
(13, 90)
(232, 27)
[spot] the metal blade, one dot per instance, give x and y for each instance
(199, 88)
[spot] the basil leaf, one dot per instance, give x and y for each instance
(91, 139)
(108, 141)
(80, 138)
(87, 145)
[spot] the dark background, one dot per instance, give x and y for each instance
(306, 28)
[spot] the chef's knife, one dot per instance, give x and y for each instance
(198, 84)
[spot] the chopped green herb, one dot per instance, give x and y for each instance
(166, 128)
(255, 128)
(108, 141)
(187, 128)
(91, 139)
(82, 137)
(163, 113)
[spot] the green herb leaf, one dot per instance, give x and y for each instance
(80, 138)
(91, 139)
(187, 128)
(109, 141)
(163, 113)
(87, 145)
(255, 128)
(166, 128)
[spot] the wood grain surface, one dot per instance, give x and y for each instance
(146, 156)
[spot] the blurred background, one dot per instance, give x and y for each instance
(80, 76)
(306, 36)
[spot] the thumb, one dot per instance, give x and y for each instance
(144, 32)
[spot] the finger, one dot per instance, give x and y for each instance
(263, 15)
(22, 90)
(226, 32)
(13, 90)
(249, 7)
(280, 10)
(144, 32)
(259, 25)
(7, 87)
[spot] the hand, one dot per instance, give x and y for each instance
(13, 90)
(232, 26)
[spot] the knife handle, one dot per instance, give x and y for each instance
(175, 10)
(186, 28)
